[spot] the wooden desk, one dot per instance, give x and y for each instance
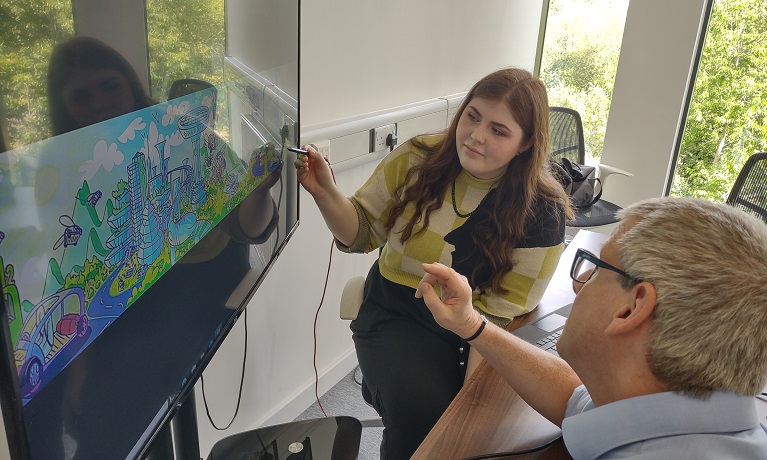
(487, 415)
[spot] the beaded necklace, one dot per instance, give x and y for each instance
(455, 207)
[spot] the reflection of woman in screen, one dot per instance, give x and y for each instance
(89, 82)
(132, 366)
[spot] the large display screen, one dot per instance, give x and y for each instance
(135, 223)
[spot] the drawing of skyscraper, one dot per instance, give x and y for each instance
(137, 187)
(191, 125)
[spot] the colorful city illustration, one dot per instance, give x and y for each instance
(92, 218)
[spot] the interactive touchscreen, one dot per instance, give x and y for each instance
(83, 239)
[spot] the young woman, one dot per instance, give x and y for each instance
(479, 197)
(89, 82)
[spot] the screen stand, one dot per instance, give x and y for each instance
(178, 439)
(186, 441)
(161, 447)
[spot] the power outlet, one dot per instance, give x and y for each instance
(379, 135)
(323, 147)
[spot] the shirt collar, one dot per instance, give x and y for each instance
(594, 432)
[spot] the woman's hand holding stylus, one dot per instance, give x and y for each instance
(316, 177)
(314, 172)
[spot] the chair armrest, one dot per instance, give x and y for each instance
(604, 171)
(351, 297)
(373, 422)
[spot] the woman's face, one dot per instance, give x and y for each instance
(94, 95)
(487, 138)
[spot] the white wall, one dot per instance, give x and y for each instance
(659, 45)
(357, 59)
(251, 38)
(358, 56)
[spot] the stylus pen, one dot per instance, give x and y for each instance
(306, 152)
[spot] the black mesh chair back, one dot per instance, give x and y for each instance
(185, 86)
(566, 135)
(749, 192)
(567, 141)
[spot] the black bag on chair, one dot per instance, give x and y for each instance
(579, 182)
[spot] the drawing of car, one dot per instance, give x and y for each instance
(47, 330)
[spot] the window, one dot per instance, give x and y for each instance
(186, 40)
(580, 56)
(24, 54)
(727, 116)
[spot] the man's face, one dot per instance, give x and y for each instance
(596, 302)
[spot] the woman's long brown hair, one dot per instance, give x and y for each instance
(527, 178)
(81, 52)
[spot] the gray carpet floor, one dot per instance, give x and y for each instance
(345, 398)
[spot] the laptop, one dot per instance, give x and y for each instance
(545, 331)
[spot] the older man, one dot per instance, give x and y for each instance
(665, 346)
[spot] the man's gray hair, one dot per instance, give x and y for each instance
(708, 263)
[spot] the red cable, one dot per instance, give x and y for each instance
(324, 290)
(317, 314)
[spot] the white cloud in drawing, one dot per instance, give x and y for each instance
(173, 111)
(176, 138)
(130, 132)
(150, 147)
(104, 156)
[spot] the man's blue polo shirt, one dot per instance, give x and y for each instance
(664, 425)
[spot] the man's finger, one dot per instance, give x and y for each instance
(437, 269)
(429, 295)
(427, 279)
(438, 273)
(446, 277)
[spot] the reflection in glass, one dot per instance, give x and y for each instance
(134, 228)
(26, 42)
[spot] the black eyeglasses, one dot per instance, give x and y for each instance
(585, 263)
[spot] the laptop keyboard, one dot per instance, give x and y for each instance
(549, 343)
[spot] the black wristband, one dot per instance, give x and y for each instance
(479, 331)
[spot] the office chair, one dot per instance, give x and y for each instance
(184, 86)
(331, 438)
(349, 306)
(351, 301)
(351, 298)
(567, 141)
(749, 192)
